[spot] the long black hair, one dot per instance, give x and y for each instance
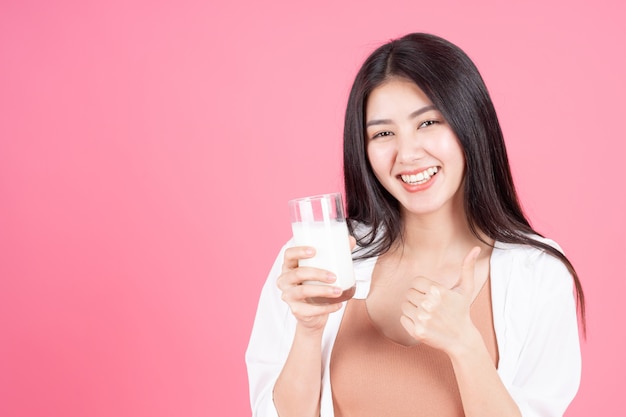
(453, 83)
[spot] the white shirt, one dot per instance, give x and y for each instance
(535, 321)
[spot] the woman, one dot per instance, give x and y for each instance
(461, 308)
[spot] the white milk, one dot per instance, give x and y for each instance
(332, 246)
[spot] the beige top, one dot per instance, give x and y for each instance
(372, 375)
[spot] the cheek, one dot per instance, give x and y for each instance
(374, 157)
(451, 151)
(380, 155)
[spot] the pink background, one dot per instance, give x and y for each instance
(148, 149)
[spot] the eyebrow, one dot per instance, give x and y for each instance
(411, 116)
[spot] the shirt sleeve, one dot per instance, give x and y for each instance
(548, 366)
(272, 333)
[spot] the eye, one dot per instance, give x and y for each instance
(428, 123)
(382, 134)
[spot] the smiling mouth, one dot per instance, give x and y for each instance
(420, 177)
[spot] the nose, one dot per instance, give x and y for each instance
(409, 149)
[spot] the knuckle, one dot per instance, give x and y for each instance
(287, 256)
(423, 316)
(299, 273)
(297, 310)
(434, 290)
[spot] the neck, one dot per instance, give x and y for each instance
(437, 236)
(432, 233)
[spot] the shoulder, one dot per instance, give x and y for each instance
(534, 316)
(527, 252)
(530, 269)
(529, 255)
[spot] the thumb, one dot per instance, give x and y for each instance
(465, 284)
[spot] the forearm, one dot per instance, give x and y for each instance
(482, 392)
(297, 390)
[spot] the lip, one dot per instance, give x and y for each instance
(417, 171)
(415, 188)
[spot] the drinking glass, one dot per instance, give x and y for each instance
(319, 221)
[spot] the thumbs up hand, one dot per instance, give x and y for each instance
(436, 315)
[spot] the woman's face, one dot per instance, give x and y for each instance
(413, 151)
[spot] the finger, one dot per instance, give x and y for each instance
(428, 301)
(413, 327)
(352, 242)
(415, 297)
(431, 300)
(293, 254)
(305, 293)
(422, 284)
(408, 324)
(299, 275)
(465, 284)
(308, 312)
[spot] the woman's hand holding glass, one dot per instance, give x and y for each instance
(301, 284)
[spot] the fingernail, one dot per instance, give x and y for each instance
(309, 251)
(336, 290)
(331, 277)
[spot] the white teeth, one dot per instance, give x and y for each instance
(420, 177)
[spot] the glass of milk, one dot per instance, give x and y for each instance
(319, 221)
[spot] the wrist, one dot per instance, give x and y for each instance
(303, 330)
(470, 342)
